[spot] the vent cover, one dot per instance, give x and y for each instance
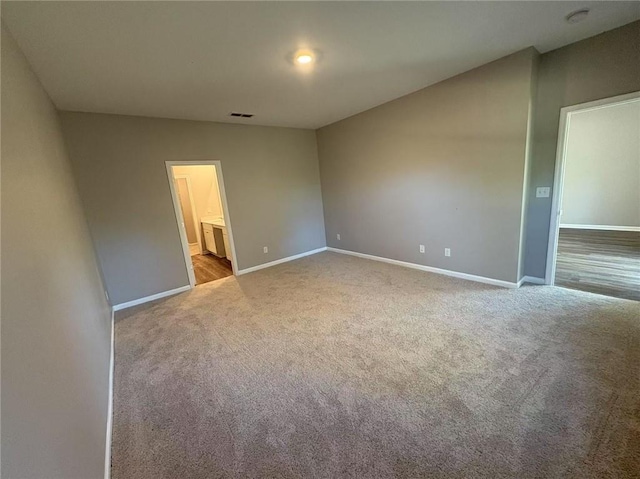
(241, 115)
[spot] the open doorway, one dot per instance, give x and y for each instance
(199, 200)
(594, 242)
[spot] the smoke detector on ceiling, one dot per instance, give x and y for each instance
(577, 16)
(241, 115)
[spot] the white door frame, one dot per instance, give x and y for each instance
(558, 179)
(180, 219)
(193, 211)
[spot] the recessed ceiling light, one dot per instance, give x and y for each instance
(303, 58)
(577, 16)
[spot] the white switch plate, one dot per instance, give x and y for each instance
(338, 236)
(422, 248)
(543, 191)
(265, 249)
(447, 251)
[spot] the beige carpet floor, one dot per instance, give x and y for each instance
(333, 366)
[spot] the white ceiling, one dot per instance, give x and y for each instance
(202, 60)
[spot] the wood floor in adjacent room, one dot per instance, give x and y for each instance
(208, 267)
(333, 366)
(603, 262)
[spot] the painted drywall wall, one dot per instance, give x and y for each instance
(55, 320)
(271, 178)
(533, 91)
(204, 184)
(443, 167)
(599, 67)
(602, 167)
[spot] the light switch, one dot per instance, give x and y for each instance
(543, 191)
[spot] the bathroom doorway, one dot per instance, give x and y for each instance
(199, 200)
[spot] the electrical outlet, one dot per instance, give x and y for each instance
(265, 250)
(422, 248)
(338, 236)
(447, 251)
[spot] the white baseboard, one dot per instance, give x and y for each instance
(601, 227)
(153, 297)
(533, 280)
(107, 451)
(280, 261)
(430, 269)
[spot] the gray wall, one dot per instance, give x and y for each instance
(55, 319)
(602, 167)
(528, 161)
(443, 167)
(599, 67)
(271, 178)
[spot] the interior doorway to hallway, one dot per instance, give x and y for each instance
(199, 200)
(594, 242)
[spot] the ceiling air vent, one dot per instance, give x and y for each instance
(241, 115)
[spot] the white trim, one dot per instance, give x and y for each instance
(280, 261)
(107, 447)
(558, 178)
(225, 206)
(194, 216)
(601, 227)
(530, 280)
(430, 269)
(153, 297)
